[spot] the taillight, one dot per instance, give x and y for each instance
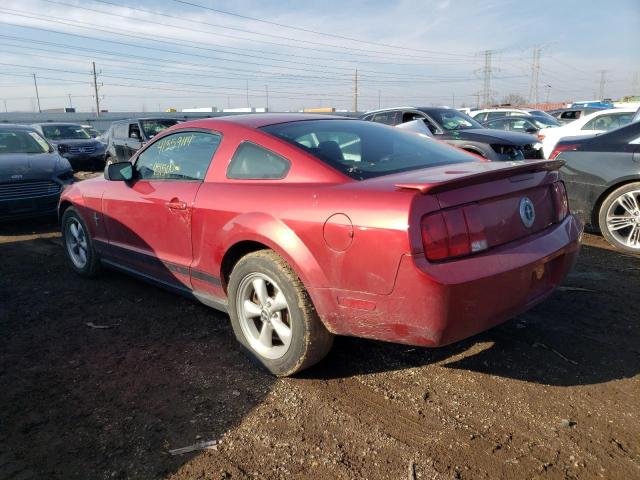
(560, 200)
(452, 233)
(567, 147)
(540, 137)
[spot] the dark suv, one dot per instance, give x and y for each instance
(73, 143)
(126, 137)
(460, 130)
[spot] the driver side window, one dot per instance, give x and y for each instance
(179, 156)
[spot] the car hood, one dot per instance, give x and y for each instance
(28, 166)
(488, 135)
(85, 142)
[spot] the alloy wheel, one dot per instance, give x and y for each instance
(623, 219)
(263, 314)
(76, 240)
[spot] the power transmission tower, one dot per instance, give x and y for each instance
(355, 91)
(486, 78)
(95, 89)
(534, 90)
(35, 82)
(603, 82)
(635, 84)
(266, 92)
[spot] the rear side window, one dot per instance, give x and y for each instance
(179, 156)
(388, 118)
(608, 122)
(572, 115)
(253, 162)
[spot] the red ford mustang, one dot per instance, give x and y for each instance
(303, 227)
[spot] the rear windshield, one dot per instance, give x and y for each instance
(153, 127)
(22, 142)
(64, 132)
(364, 150)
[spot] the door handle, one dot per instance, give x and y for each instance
(176, 204)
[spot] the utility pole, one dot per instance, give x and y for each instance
(603, 82)
(635, 82)
(355, 91)
(95, 89)
(548, 87)
(35, 82)
(266, 92)
(534, 91)
(5, 105)
(70, 104)
(453, 100)
(379, 98)
(247, 91)
(486, 79)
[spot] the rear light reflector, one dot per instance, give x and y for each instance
(452, 233)
(561, 201)
(567, 147)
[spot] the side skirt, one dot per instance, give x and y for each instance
(204, 298)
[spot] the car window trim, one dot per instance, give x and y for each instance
(134, 159)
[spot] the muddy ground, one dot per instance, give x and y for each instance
(553, 393)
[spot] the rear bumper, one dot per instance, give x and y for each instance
(437, 304)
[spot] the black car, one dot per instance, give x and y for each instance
(74, 143)
(126, 137)
(462, 131)
(32, 174)
(602, 177)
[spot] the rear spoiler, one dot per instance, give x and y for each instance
(461, 179)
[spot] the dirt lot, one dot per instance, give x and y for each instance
(551, 394)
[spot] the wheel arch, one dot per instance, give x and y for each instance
(258, 231)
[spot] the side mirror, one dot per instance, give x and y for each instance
(121, 171)
(531, 130)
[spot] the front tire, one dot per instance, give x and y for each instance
(619, 218)
(78, 244)
(272, 315)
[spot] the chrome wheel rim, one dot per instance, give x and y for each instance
(76, 240)
(623, 219)
(263, 314)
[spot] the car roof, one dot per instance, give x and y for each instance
(44, 124)
(15, 126)
(263, 119)
(136, 119)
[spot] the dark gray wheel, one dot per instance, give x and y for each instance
(78, 244)
(272, 315)
(619, 218)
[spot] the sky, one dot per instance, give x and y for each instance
(288, 55)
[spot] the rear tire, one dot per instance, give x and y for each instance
(619, 218)
(272, 315)
(78, 244)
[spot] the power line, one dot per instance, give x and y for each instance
(341, 37)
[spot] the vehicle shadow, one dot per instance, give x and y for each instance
(101, 378)
(585, 333)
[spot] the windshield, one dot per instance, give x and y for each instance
(93, 133)
(64, 132)
(364, 150)
(544, 122)
(153, 127)
(454, 120)
(22, 142)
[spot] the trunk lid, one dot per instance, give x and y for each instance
(491, 203)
